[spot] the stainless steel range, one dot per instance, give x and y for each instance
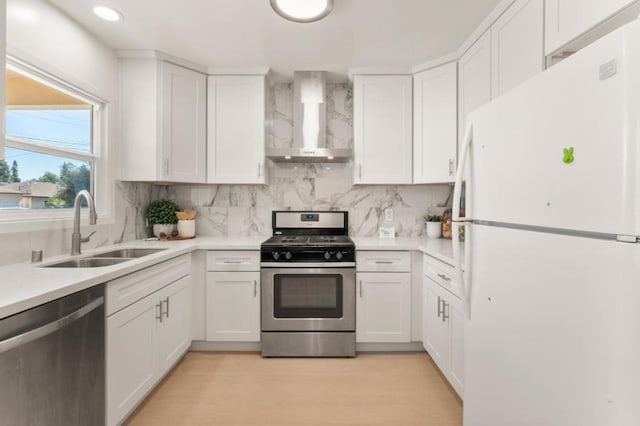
(308, 286)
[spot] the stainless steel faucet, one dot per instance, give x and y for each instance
(76, 237)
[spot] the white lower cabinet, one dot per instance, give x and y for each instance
(443, 321)
(233, 296)
(174, 337)
(383, 302)
(131, 352)
(233, 306)
(145, 338)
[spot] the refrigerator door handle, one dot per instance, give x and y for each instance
(457, 221)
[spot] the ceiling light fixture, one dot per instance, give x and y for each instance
(302, 10)
(107, 13)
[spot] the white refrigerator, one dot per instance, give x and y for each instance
(551, 273)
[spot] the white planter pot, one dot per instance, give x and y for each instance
(187, 228)
(434, 229)
(163, 228)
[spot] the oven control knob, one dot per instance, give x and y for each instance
(287, 255)
(327, 255)
(339, 255)
(276, 255)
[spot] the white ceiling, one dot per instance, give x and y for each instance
(247, 33)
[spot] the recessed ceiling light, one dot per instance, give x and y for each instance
(302, 10)
(107, 13)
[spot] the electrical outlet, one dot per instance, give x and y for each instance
(388, 215)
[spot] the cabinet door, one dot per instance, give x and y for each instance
(456, 369)
(517, 46)
(382, 129)
(174, 331)
(435, 124)
(131, 356)
(474, 81)
(233, 306)
(383, 307)
(236, 138)
(436, 337)
(565, 20)
(183, 112)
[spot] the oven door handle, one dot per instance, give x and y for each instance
(308, 264)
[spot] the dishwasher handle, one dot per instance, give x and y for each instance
(52, 327)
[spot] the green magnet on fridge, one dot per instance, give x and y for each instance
(568, 155)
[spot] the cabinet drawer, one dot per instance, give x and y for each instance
(239, 260)
(442, 273)
(383, 261)
(126, 290)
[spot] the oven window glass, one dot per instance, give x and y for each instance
(307, 296)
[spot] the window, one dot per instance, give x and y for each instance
(52, 144)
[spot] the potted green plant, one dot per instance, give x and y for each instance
(434, 226)
(162, 215)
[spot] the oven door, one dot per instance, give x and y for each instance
(308, 299)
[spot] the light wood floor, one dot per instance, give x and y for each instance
(244, 389)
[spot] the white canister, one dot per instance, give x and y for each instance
(434, 229)
(163, 228)
(187, 228)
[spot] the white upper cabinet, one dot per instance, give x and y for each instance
(567, 19)
(517, 51)
(236, 134)
(163, 122)
(382, 125)
(435, 124)
(474, 81)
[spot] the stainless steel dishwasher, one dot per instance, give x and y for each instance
(52, 363)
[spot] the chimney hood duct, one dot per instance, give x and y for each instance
(309, 123)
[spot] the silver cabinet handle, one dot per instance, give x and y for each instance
(445, 309)
(166, 301)
(159, 306)
(360, 288)
(360, 168)
(444, 277)
(52, 327)
(383, 262)
(255, 288)
(259, 167)
(166, 167)
(233, 261)
(451, 167)
(439, 306)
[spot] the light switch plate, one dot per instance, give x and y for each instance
(388, 215)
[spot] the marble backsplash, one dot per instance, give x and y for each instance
(245, 210)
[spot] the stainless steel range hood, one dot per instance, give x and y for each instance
(309, 123)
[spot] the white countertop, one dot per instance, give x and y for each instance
(25, 285)
(439, 248)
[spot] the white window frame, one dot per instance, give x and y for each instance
(40, 219)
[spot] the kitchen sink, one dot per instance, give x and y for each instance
(88, 262)
(105, 259)
(131, 253)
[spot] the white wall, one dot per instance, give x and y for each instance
(41, 35)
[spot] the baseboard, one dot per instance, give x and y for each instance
(199, 345)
